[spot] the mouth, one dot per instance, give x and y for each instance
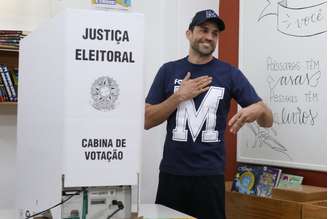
(206, 45)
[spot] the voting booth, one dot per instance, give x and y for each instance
(81, 106)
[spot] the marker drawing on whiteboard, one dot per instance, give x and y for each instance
(292, 80)
(297, 18)
(270, 9)
(267, 137)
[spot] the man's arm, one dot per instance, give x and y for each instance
(257, 111)
(189, 88)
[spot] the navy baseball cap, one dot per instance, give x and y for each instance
(207, 15)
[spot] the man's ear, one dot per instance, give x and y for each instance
(188, 34)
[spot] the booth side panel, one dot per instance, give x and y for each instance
(40, 119)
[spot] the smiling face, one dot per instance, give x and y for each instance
(203, 39)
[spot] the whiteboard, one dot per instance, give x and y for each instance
(282, 51)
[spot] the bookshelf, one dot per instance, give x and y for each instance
(9, 54)
(9, 57)
(303, 202)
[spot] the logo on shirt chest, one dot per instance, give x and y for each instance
(177, 81)
(195, 119)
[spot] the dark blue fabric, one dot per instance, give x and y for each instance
(199, 158)
(199, 196)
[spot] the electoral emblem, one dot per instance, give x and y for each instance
(104, 93)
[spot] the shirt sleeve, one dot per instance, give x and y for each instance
(242, 90)
(156, 92)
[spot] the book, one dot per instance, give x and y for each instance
(10, 39)
(13, 47)
(290, 181)
(268, 180)
(256, 180)
(246, 179)
(14, 78)
(9, 42)
(2, 37)
(6, 83)
(3, 93)
(11, 32)
(10, 83)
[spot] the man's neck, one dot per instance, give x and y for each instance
(199, 59)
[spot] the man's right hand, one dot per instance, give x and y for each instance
(191, 88)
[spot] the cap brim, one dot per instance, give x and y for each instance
(218, 22)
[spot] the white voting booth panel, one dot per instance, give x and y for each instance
(81, 105)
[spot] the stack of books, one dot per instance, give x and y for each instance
(114, 4)
(260, 180)
(9, 39)
(8, 84)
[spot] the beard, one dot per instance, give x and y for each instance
(201, 49)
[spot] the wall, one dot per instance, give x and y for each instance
(23, 15)
(229, 11)
(8, 122)
(20, 15)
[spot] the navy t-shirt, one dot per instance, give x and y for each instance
(194, 144)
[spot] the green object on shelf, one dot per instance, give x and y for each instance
(85, 205)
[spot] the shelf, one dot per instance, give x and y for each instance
(249, 206)
(314, 210)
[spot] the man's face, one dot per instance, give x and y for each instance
(203, 38)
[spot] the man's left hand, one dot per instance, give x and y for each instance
(257, 111)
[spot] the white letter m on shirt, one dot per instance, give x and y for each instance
(206, 112)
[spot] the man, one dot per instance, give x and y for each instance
(193, 94)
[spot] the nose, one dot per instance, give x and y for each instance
(209, 37)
